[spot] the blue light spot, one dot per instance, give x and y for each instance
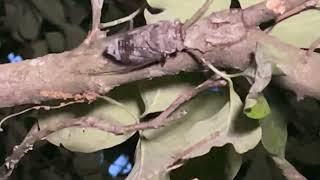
(122, 160)
(127, 169)
(120, 166)
(14, 58)
(114, 170)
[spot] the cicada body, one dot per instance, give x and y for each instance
(151, 43)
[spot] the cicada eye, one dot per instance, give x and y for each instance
(113, 51)
(111, 54)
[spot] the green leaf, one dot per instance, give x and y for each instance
(219, 163)
(257, 107)
(259, 167)
(274, 126)
(74, 35)
(77, 12)
(91, 139)
(299, 30)
(13, 10)
(39, 48)
(56, 41)
(226, 127)
(30, 24)
(263, 71)
(181, 9)
(204, 127)
(51, 10)
(160, 148)
(159, 93)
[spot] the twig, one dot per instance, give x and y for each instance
(163, 118)
(297, 9)
(63, 104)
(287, 169)
(196, 16)
(96, 15)
(35, 134)
(121, 20)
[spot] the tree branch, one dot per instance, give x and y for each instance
(36, 134)
(69, 72)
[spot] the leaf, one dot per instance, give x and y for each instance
(257, 107)
(51, 10)
(274, 126)
(29, 25)
(159, 93)
(204, 127)
(263, 73)
(55, 41)
(39, 48)
(13, 13)
(76, 12)
(259, 167)
(91, 139)
(299, 30)
(225, 127)
(74, 35)
(180, 9)
(219, 163)
(160, 148)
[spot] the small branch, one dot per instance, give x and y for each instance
(35, 134)
(78, 98)
(185, 154)
(306, 5)
(63, 104)
(96, 16)
(163, 118)
(287, 169)
(96, 13)
(200, 12)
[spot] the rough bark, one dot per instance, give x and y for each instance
(61, 76)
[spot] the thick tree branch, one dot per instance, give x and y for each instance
(68, 73)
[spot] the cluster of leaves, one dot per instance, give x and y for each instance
(45, 27)
(219, 129)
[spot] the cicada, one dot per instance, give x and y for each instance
(146, 45)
